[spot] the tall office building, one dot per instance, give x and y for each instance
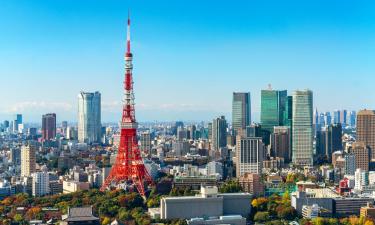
(28, 160)
(343, 117)
(49, 126)
(350, 164)
(316, 122)
(40, 182)
(192, 132)
(320, 144)
(181, 133)
(219, 133)
(333, 139)
(352, 118)
(17, 123)
(71, 133)
(288, 113)
(328, 118)
(362, 155)
(89, 117)
(280, 142)
(336, 116)
(15, 155)
(241, 110)
(366, 129)
(250, 152)
(302, 130)
(272, 108)
(145, 141)
(322, 121)
(64, 126)
(254, 130)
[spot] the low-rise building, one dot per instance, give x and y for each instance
(73, 186)
(79, 216)
(251, 183)
(368, 211)
(208, 204)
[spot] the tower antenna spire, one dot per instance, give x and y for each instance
(128, 34)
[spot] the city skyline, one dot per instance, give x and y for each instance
(331, 44)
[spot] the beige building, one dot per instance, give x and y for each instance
(28, 161)
(73, 186)
(251, 183)
(366, 129)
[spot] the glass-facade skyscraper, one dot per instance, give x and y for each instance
(302, 128)
(241, 110)
(219, 133)
(89, 117)
(273, 108)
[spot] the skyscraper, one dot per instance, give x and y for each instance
(333, 139)
(280, 142)
(288, 113)
(89, 117)
(302, 130)
(322, 121)
(219, 133)
(250, 153)
(272, 108)
(328, 118)
(49, 126)
(336, 116)
(343, 117)
(350, 164)
(366, 129)
(352, 119)
(28, 160)
(362, 155)
(241, 110)
(17, 122)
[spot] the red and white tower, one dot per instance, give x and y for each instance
(129, 166)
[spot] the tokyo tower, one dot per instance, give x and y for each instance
(128, 166)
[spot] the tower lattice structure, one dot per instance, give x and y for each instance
(128, 166)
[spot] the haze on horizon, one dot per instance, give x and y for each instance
(188, 56)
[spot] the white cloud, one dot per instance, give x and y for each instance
(38, 106)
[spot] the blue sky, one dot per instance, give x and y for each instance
(189, 56)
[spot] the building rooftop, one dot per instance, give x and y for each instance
(80, 214)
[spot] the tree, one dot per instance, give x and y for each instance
(260, 203)
(318, 221)
(275, 222)
(286, 213)
(231, 186)
(262, 217)
(18, 218)
(286, 198)
(353, 220)
(34, 213)
(106, 221)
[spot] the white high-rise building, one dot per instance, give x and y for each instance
(302, 128)
(250, 152)
(28, 160)
(89, 117)
(40, 182)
